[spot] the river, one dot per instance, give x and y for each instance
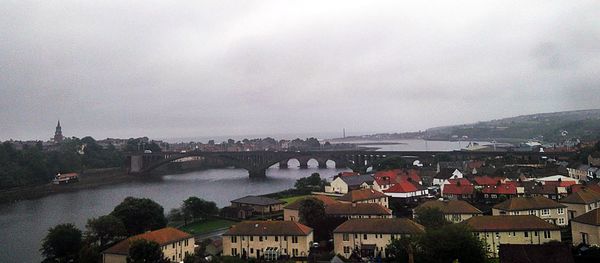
(23, 224)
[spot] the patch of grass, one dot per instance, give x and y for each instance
(206, 226)
(292, 199)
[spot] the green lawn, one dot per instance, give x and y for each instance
(292, 199)
(206, 226)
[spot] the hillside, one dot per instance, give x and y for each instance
(550, 127)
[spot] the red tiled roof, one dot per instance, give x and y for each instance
(503, 189)
(508, 223)
(461, 181)
(348, 174)
(487, 180)
(268, 228)
(404, 187)
(361, 195)
(380, 226)
(385, 177)
(454, 189)
(162, 236)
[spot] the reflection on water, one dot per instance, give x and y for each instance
(24, 224)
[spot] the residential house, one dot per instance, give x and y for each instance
(241, 212)
(369, 237)
(291, 212)
(580, 172)
(358, 210)
(542, 253)
(585, 228)
(175, 245)
(365, 196)
(458, 191)
(551, 190)
(493, 192)
(260, 204)
(488, 180)
(407, 189)
(594, 158)
(454, 211)
(214, 248)
(344, 184)
(505, 229)
(446, 174)
(581, 202)
(268, 240)
(544, 208)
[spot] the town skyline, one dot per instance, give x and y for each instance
(167, 71)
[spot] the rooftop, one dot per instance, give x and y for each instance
(357, 179)
(325, 199)
(528, 203)
(257, 200)
(451, 207)
(380, 226)
(341, 209)
(589, 218)
(162, 236)
(361, 195)
(268, 228)
(583, 196)
(508, 223)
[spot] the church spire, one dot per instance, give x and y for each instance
(58, 137)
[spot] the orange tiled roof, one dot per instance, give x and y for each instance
(162, 236)
(589, 218)
(268, 228)
(361, 195)
(583, 196)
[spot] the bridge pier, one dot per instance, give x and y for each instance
(257, 173)
(322, 163)
(283, 164)
(303, 162)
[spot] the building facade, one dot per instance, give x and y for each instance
(544, 208)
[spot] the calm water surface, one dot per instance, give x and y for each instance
(23, 224)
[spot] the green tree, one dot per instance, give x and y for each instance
(90, 253)
(105, 230)
(312, 210)
(143, 251)
(452, 242)
(62, 243)
(403, 249)
(430, 217)
(312, 182)
(195, 207)
(140, 214)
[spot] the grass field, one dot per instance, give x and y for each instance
(292, 199)
(206, 226)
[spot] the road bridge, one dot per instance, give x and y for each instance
(257, 162)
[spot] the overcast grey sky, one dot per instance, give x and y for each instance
(202, 68)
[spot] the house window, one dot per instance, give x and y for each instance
(535, 233)
(295, 251)
(561, 221)
(233, 252)
(561, 211)
(545, 212)
(284, 238)
(526, 234)
(266, 237)
(173, 257)
(251, 238)
(546, 234)
(346, 250)
(294, 239)
(365, 236)
(532, 212)
(233, 240)
(345, 237)
(276, 238)
(584, 238)
(355, 236)
(260, 238)
(455, 217)
(173, 245)
(251, 250)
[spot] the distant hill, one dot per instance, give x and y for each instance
(550, 127)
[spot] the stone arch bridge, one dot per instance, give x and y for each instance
(257, 162)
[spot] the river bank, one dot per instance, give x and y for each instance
(87, 180)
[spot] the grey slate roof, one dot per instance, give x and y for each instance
(358, 179)
(257, 200)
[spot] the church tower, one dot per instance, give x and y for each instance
(58, 137)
